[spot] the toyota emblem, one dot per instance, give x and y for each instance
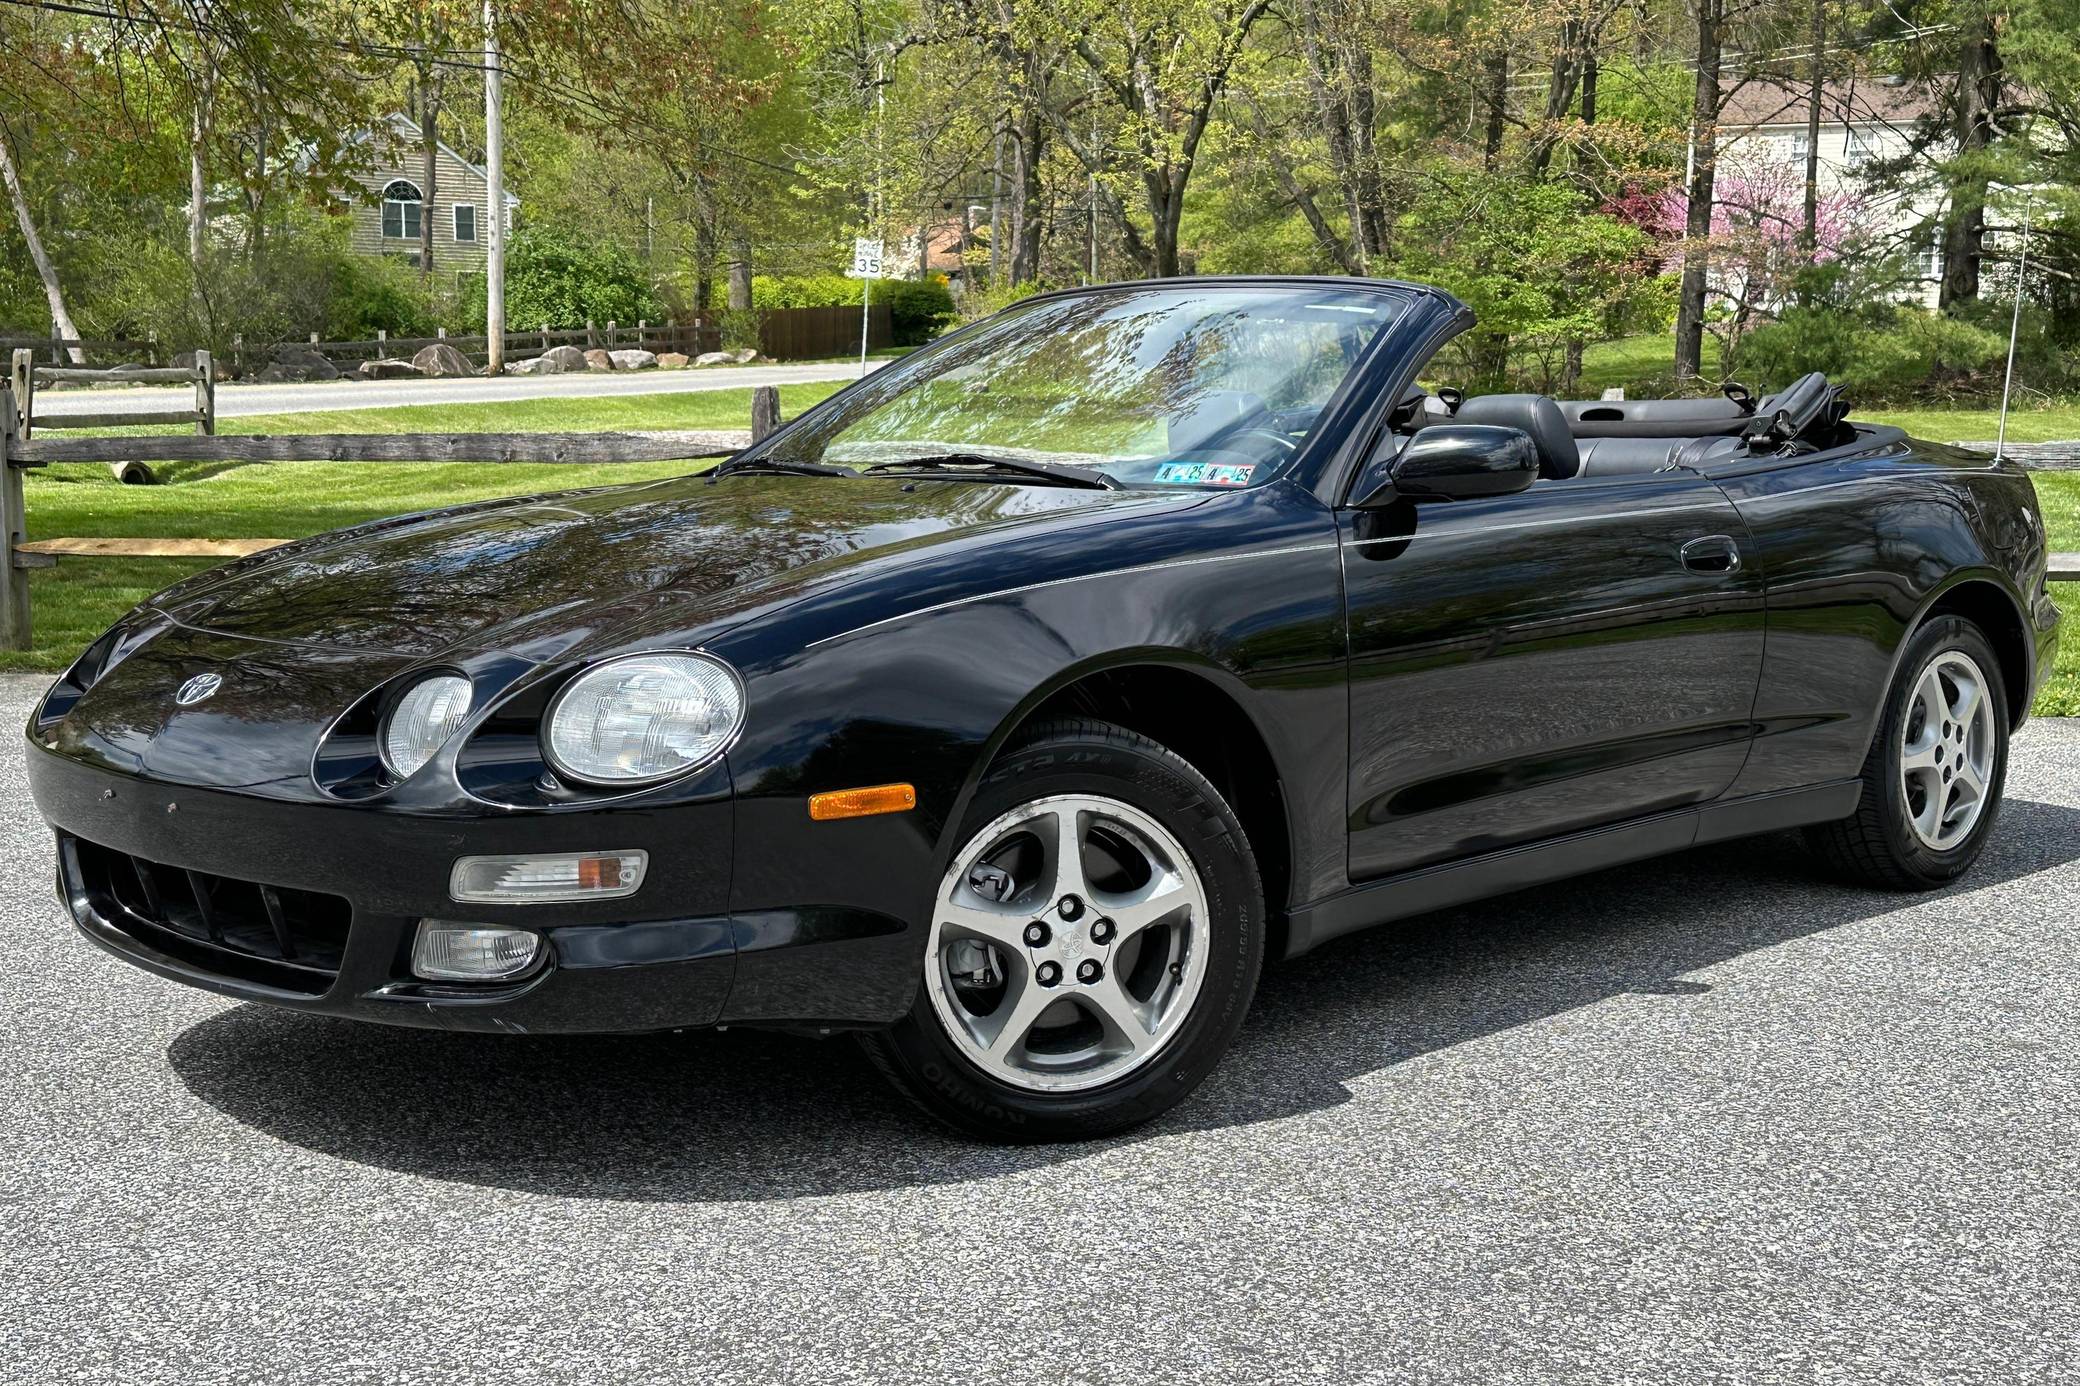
(199, 688)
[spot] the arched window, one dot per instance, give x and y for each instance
(401, 206)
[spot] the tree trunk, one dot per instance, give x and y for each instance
(739, 271)
(1809, 226)
(429, 165)
(997, 258)
(61, 319)
(199, 120)
(1589, 72)
(1027, 151)
(1497, 66)
(1697, 228)
(1568, 65)
(1979, 85)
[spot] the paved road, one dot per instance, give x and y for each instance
(234, 400)
(1712, 1119)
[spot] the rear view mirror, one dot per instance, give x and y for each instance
(1454, 462)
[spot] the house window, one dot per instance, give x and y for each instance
(465, 222)
(1859, 148)
(1801, 145)
(401, 204)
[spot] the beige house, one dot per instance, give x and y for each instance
(1863, 121)
(392, 206)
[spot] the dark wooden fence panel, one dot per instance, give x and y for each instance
(808, 334)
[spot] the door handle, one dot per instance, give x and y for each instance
(1714, 553)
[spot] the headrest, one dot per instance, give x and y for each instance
(1537, 415)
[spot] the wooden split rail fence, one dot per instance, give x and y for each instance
(21, 450)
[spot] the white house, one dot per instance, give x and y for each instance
(1863, 121)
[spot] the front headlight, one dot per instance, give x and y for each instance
(422, 722)
(643, 717)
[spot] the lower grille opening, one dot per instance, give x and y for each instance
(278, 937)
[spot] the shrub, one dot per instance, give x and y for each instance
(739, 329)
(918, 308)
(555, 280)
(370, 294)
(1879, 349)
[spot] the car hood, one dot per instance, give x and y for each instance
(540, 572)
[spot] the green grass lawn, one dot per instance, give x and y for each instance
(76, 600)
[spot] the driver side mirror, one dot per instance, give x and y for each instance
(1449, 462)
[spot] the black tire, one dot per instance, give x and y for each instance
(1088, 757)
(1876, 845)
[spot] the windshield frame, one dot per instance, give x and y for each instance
(1321, 445)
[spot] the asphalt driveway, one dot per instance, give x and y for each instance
(1709, 1119)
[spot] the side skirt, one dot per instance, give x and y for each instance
(1516, 868)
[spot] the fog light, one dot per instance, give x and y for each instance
(449, 952)
(541, 879)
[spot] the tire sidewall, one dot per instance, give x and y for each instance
(1148, 778)
(1941, 636)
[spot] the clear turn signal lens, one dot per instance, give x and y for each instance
(446, 951)
(522, 880)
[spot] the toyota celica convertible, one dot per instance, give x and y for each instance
(1012, 706)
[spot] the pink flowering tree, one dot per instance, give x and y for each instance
(1758, 214)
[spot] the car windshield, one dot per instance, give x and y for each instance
(1145, 386)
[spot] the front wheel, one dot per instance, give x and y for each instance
(1932, 781)
(1093, 947)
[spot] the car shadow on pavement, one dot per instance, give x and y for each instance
(748, 1115)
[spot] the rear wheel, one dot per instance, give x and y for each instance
(1094, 943)
(1932, 781)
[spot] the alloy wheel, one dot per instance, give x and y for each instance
(1948, 742)
(1069, 941)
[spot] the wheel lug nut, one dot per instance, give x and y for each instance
(1047, 974)
(1036, 934)
(1089, 971)
(1102, 931)
(1071, 908)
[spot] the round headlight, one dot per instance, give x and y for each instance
(423, 720)
(643, 717)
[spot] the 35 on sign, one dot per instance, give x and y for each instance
(866, 258)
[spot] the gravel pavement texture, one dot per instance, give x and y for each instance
(236, 401)
(1710, 1119)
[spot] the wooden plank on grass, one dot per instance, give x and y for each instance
(107, 547)
(2065, 567)
(387, 447)
(46, 422)
(142, 375)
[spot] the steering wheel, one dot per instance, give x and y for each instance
(1287, 447)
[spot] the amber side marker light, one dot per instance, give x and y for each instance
(862, 803)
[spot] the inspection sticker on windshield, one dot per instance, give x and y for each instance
(1205, 473)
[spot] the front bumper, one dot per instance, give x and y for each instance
(668, 957)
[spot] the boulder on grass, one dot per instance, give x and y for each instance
(744, 357)
(672, 361)
(554, 361)
(715, 358)
(439, 359)
(633, 359)
(293, 364)
(598, 360)
(387, 368)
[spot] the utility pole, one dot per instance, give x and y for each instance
(495, 194)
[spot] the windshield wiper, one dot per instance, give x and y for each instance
(953, 464)
(773, 466)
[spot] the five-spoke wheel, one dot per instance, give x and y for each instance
(1093, 946)
(1069, 942)
(1947, 745)
(1932, 778)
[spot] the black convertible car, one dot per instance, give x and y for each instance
(1011, 706)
